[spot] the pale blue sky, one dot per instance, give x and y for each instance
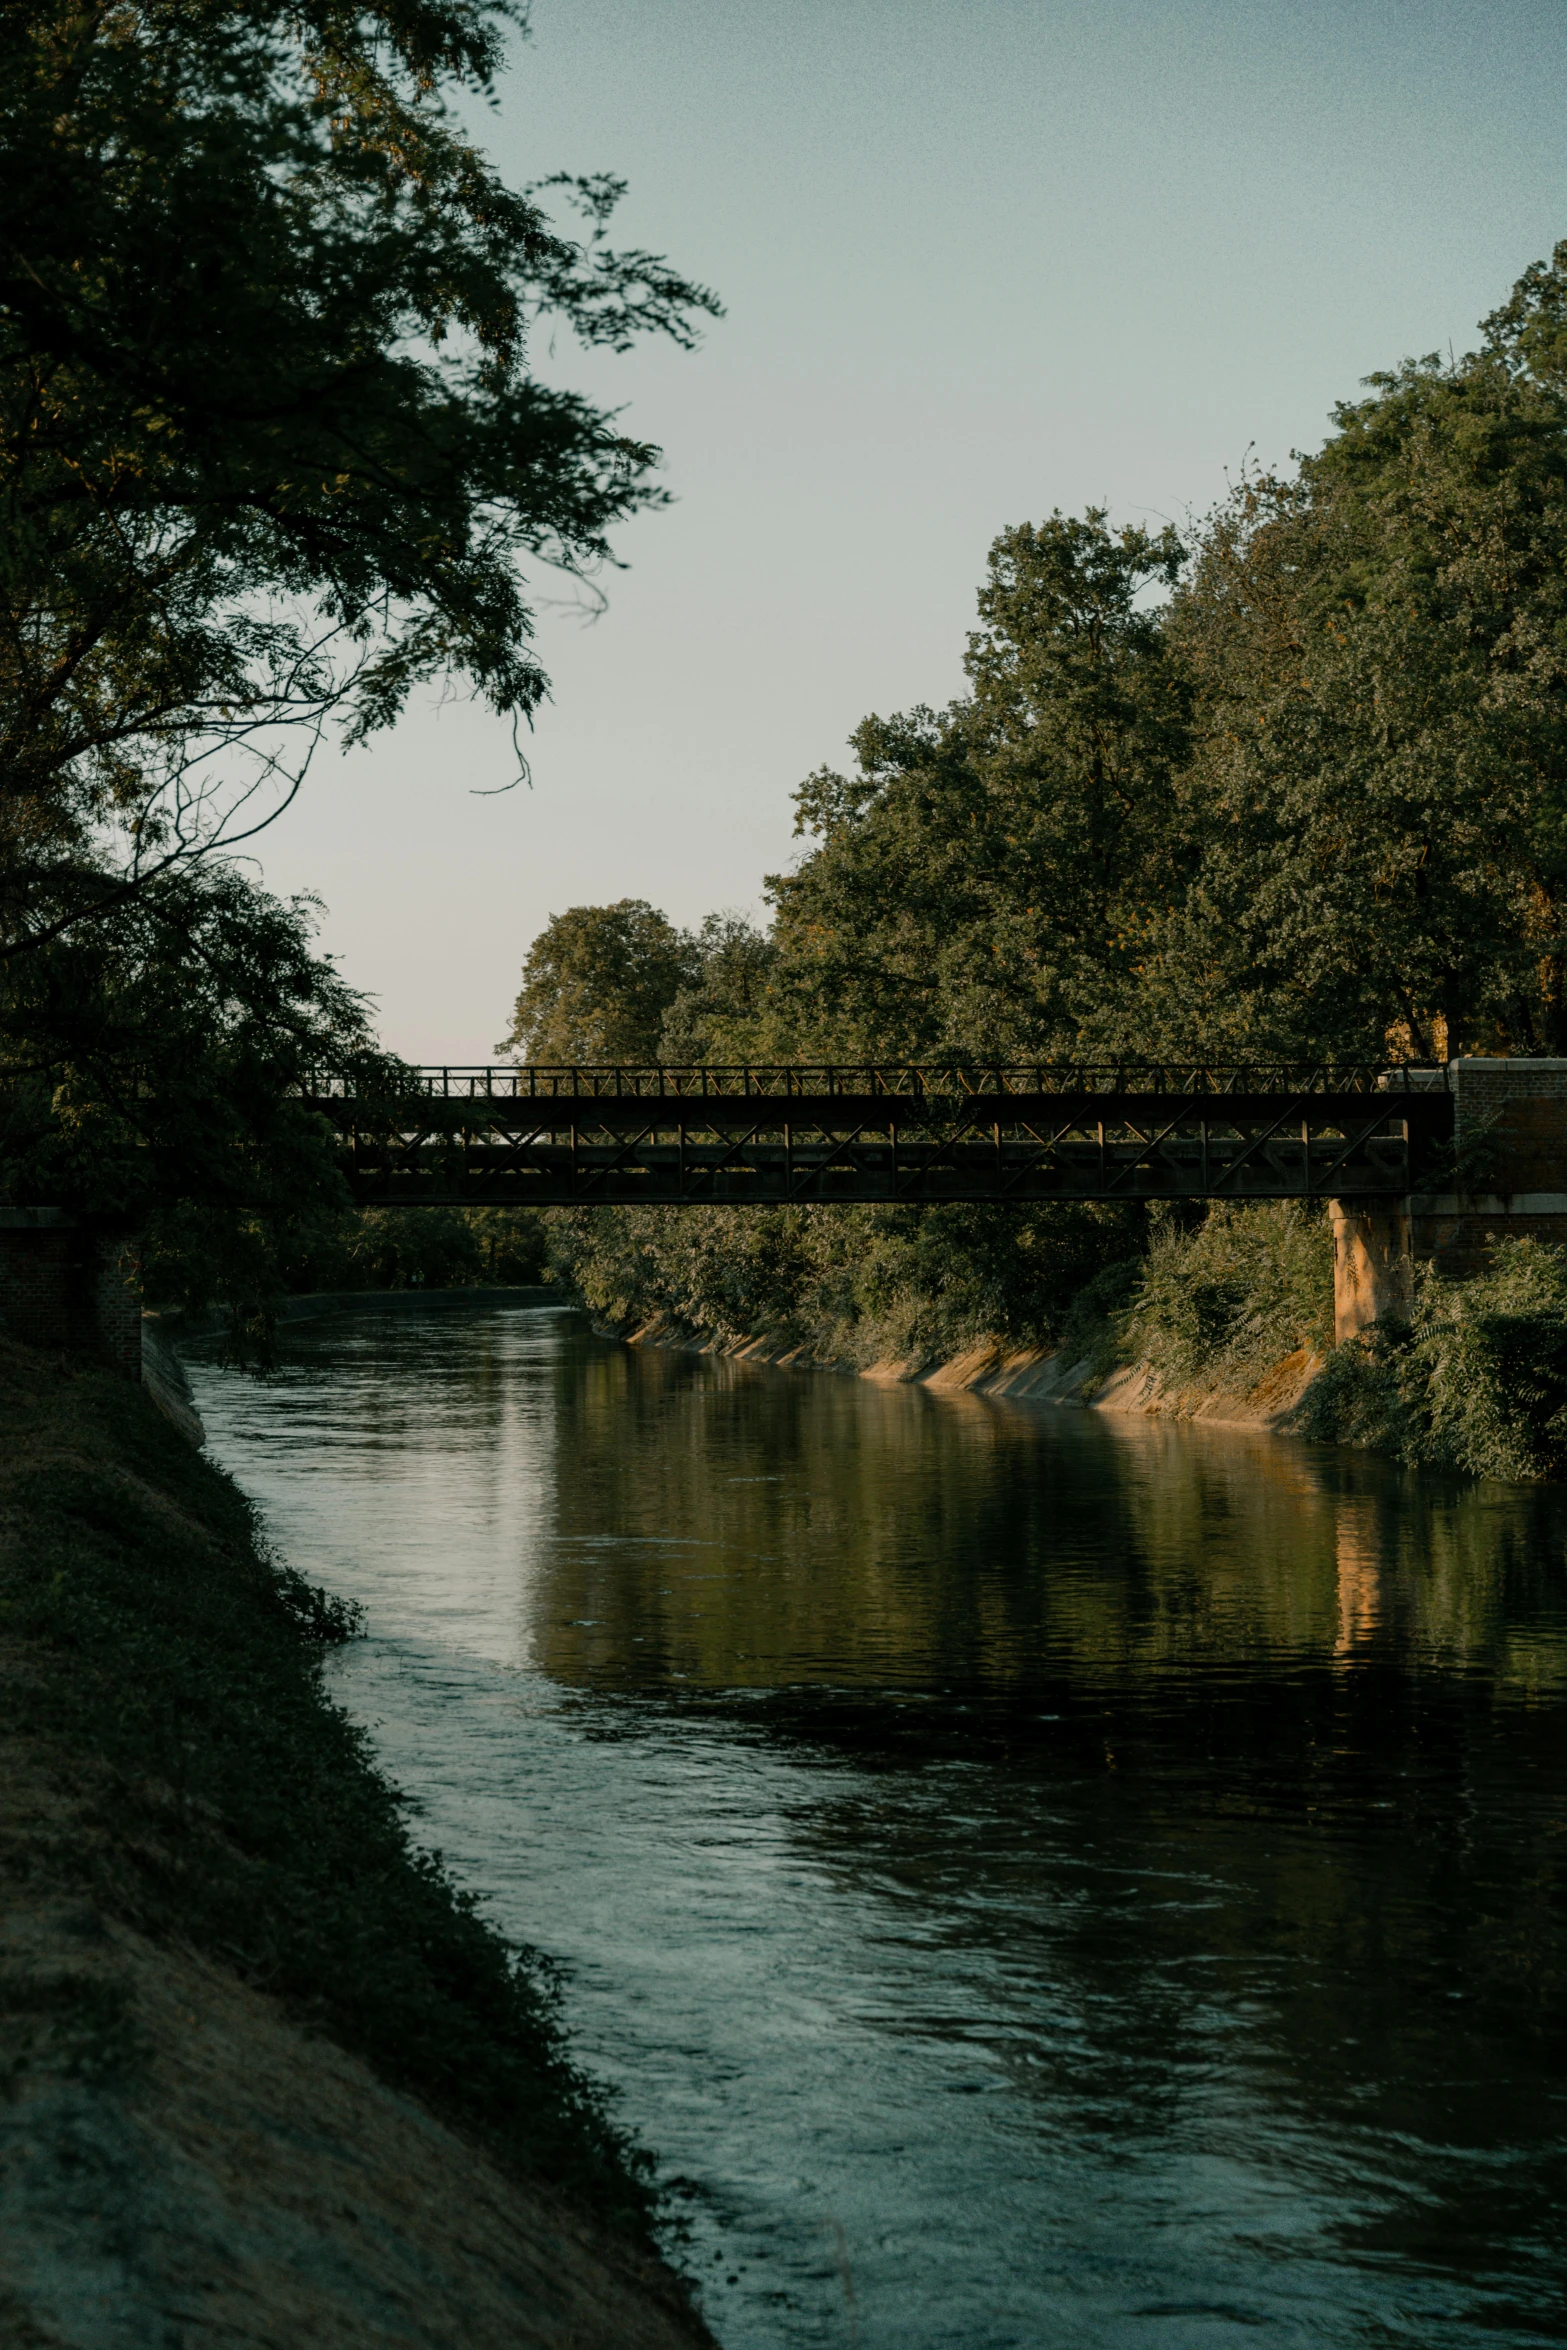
(979, 261)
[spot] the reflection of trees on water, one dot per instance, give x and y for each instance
(747, 1527)
(1269, 1840)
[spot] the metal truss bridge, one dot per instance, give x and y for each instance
(591, 1136)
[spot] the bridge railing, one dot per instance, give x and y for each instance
(599, 1081)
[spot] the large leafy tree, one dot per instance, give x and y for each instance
(598, 982)
(1313, 803)
(1379, 655)
(272, 449)
(982, 884)
(152, 1078)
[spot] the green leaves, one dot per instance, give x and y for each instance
(984, 884)
(597, 983)
(1477, 1381)
(1302, 792)
(149, 1065)
(1380, 777)
(270, 450)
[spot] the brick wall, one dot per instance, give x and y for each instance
(70, 1290)
(1458, 1245)
(1519, 1110)
(117, 1302)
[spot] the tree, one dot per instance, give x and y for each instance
(1379, 655)
(725, 1011)
(151, 1067)
(271, 451)
(598, 982)
(983, 885)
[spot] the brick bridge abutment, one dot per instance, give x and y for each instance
(70, 1287)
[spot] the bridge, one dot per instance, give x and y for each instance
(1017, 1133)
(1413, 1162)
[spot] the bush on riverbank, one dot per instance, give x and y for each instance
(174, 1669)
(847, 1284)
(1218, 1299)
(1221, 1300)
(425, 1248)
(1477, 1380)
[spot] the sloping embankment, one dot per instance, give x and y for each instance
(265, 2079)
(1264, 1399)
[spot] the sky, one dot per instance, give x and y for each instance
(980, 259)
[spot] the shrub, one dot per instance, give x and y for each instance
(425, 1248)
(1251, 1283)
(1477, 1381)
(850, 1284)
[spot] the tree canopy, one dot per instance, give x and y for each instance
(1296, 787)
(274, 452)
(272, 449)
(597, 984)
(1379, 654)
(150, 1079)
(982, 883)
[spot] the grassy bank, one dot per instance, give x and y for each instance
(168, 1671)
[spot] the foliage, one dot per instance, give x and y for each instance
(149, 1068)
(1379, 656)
(1250, 1284)
(271, 452)
(845, 1284)
(179, 1665)
(1313, 804)
(1093, 1329)
(423, 1248)
(1477, 1382)
(982, 884)
(725, 1011)
(597, 984)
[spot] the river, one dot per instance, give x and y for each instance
(1034, 1879)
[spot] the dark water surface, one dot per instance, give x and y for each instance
(1034, 1879)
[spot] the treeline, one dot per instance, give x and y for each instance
(1290, 784)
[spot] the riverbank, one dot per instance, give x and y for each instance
(268, 2078)
(1225, 1320)
(1226, 1326)
(1265, 1398)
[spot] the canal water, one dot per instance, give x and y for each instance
(1034, 1879)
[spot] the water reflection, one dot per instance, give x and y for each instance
(1036, 1879)
(749, 1529)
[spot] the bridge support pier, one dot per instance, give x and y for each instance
(1513, 1113)
(1373, 1271)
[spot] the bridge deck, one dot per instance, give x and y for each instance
(795, 1132)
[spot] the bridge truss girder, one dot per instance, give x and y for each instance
(636, 1148)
